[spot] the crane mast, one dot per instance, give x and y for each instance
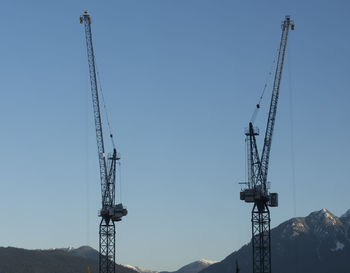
(256, 190)
(110, 212)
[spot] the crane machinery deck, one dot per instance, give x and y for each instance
(110, 212)
(256, 190)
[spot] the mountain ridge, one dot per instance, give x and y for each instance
(319, 242)
(193, 267)
(19, 260)
(321, 236)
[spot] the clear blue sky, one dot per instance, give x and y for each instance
(181, 79)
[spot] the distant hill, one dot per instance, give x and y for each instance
(318, 243)
(139, 269)
(194, 267)
(17, 260)
(85, 252)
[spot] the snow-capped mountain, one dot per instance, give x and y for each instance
(322, 224)
(83, 251)
(318, 243)
(86, 252)
(139, 269)
(193, 267)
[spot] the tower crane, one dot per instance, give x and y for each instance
(256, 190)
(110, 212)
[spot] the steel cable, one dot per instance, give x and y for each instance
(267, 81)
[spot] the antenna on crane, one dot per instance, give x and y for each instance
(256, 188)
(110, 212)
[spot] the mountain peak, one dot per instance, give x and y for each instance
(196, 266)
(193, 267)
(204, 261)
(324, 216)
(139, 269)
(346, 214)
(323, 212)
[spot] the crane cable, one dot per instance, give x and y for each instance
(120, 182)
(292, 152)
(109, 129)
(268, 78)
(104, 106)
(87, 176)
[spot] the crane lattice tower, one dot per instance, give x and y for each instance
(256, 190)
(110, 212)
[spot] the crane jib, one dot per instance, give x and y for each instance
(265, 156)
(96, 106)
(106, 191)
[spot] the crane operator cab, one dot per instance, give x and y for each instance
(115, 212)
(252, 195)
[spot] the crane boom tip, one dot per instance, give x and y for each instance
(85, 15)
